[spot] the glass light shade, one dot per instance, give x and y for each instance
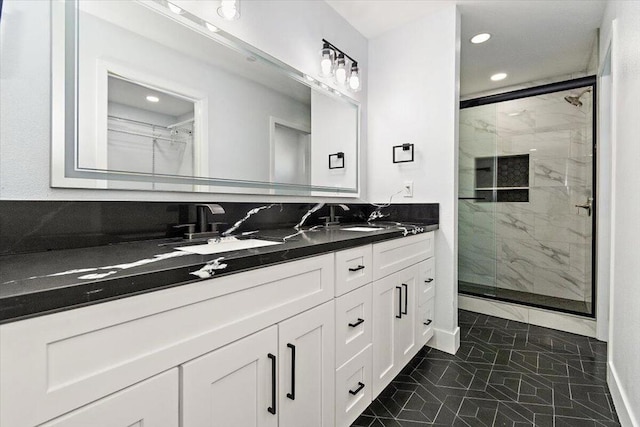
(229, 9)
(341, 70)
(326, 61)
(354, 79)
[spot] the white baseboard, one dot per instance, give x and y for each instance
(446, 341)
(620, 400)
(534, 316)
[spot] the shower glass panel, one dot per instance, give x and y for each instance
(477, 254)
(526, 208)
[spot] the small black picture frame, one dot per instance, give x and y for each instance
(336, 161)
(403, 148)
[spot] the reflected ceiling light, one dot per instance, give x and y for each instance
(211, 27)
(175, 9)
(498, 76)
(229, 9)
(334, 62)
(480, 38)
(337, 92)
(152, 98)
(324, 86)
(308, 77)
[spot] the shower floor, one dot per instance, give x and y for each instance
(526, 298)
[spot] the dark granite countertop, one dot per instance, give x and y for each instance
(41, 283)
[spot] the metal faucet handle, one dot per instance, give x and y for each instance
(214, 208)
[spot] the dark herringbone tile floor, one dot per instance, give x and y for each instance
(505, 374)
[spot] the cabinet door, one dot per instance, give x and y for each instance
(153, 402)
(307, 368)
(405, 337)
(394, 325)
(233, 386)
(386, 317)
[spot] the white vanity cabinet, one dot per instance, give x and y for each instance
(280, 376)
(304, 343)
(401, 269)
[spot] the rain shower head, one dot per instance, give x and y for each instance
(575, 100)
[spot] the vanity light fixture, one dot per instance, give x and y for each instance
(403, 153)
(336, 161)
(498, 76)
(175, 9)
(229, 9)
(334, 62)
(480, 38)
(152, 98)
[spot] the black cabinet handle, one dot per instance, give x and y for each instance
(292, 395)
(272, 408)
(428, 322)
(360, 387)
(360, 267)
(406, 297)
(429, 280)
(399, 316)
(353, 325)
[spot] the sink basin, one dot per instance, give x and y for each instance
(226, 245)
(362, 228)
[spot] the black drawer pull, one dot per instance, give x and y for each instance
(406, 297)
(399, 316)
(429, 280)
(360, 267)
(360, 387)
(292, 395)
(353, 325)
(428, 322)
(272, 408)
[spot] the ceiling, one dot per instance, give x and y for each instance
(531, 39)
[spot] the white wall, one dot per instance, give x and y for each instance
(621, 25)
(413, 97)
(288, 30)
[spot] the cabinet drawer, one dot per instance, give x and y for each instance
(394, 255)
(426, 318)
(427, 281)
(353, 388)
(353, 323)
(153, 402)
(353, 269)
(65, 360)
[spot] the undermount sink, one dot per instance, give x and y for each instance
(362, 228)
(226, 245)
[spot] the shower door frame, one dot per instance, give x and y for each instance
(542, 90)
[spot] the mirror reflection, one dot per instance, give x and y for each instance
(173, 106)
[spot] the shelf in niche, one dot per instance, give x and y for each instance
(500, 188)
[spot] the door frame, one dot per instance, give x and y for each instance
(592, 81)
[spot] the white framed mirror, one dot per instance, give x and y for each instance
(172, 106)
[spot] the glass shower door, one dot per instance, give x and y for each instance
(477, 243)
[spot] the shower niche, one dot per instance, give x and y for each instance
(502, 178)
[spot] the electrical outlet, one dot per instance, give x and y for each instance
(408, 189)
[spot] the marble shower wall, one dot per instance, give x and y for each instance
(542, 246)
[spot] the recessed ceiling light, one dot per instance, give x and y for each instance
(152, 98)
(212, 27)
(173, 8)
(533, 149)
(480, 38)
(499, 76)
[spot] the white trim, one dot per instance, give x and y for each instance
(446, 341)
(623, 407)
(534, 316)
